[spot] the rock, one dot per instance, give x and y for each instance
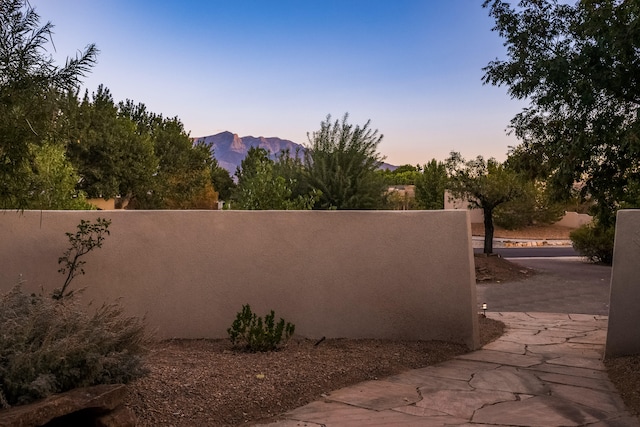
(120, 417)
(98, 405)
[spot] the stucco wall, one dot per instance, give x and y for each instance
(382, 274)
(574, 220)
(623, 333)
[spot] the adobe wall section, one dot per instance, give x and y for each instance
(378, 274)
(623, 336)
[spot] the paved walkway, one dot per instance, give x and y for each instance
(546, 370)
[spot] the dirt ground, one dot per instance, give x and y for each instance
(495, 269)
(205, 382)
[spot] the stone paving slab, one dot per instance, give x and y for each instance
(555, 378)
(338, 414)
(501, 358)
(590, 383)
(538, 411)
(510, 379)
(507, 347)
(377, 395)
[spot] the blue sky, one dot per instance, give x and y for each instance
(277, 68)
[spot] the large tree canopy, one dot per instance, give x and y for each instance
(30, 85)
(579, 66)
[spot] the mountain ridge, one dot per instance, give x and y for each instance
(229, 149)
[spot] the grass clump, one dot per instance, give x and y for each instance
(252, 333)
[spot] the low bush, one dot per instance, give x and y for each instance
(51, 345)
(595, 242)
(252, 333)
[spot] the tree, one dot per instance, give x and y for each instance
(52, 183)
(431, 185)
(182, 179)
(112, 156)
(579, 67)
(402, 175)
(221, 180)
(341, 162)
(30, 86)
(533, 206)
(260, 187)
(485, 185)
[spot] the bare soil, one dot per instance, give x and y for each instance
(624, 372)
(495, 269)
(206, 382)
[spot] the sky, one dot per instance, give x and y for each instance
(279, 67)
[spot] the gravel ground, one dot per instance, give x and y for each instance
(205, 382)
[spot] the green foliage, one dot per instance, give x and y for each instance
(221, 180)
(402, 175)
(30, 88)
(595, 242)
(533, 206)
(254, 333)
(341, 163)
(50, 346)
(88, 237)
(111, 156)
(578, 66)
(431, 185)
(53, 183)
(183, 178)
(267, 185)
(485, 184)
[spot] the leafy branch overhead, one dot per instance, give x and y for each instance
(579, 67)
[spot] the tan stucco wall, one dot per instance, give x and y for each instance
(623, 334)
(574, 220)
(475, 215)
(382, 274)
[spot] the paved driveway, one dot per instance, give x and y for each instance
(562, 285)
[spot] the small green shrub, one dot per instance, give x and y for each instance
(253, 333)
(594, 242)
(51, 345)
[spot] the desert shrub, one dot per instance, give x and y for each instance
(52, 345)
(594, 242)
(49, 343)
(252, 333)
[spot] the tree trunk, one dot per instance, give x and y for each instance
(488, 230)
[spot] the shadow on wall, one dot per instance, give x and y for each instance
(353, 274)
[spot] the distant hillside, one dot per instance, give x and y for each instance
(230, 149)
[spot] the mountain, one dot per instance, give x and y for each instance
(230, 149)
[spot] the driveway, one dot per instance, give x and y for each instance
(562, 285)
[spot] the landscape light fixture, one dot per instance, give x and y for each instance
(484, 309)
